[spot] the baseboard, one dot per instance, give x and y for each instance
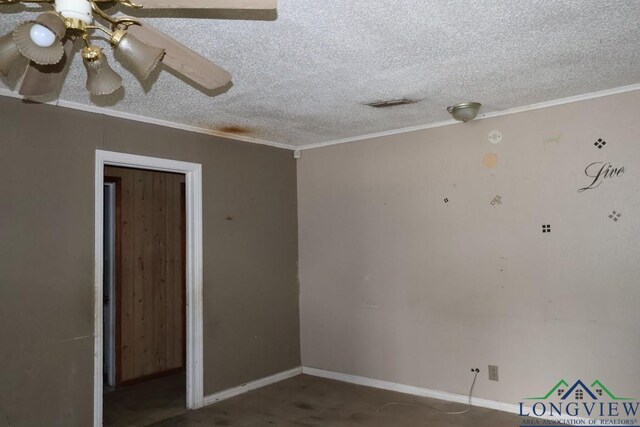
(384, 385)
(408, 389)
(433, 394)
(253, 385)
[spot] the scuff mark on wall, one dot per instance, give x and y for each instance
(84, 337)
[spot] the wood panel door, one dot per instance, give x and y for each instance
(150, 288)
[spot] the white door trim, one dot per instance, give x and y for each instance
(193, 178)
(109, 334)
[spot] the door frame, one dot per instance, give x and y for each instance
(193, 206)
(110, 334)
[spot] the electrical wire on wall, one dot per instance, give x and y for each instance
(468, 408)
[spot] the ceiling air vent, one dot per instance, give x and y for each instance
(391, 103)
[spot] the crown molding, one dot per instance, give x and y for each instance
(166, 123)
(135, 117)
(515, 110)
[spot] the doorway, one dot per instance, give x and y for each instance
(144, 313)
(161, 277)
(145, 309)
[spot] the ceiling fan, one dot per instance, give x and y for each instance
(48, 40)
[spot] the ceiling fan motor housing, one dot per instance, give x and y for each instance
(75, 9)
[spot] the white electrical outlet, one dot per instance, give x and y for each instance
(493, 373)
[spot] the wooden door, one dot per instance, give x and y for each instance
(150, 289)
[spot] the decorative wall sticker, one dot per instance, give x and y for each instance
(496, 201)
(598, 172)
(555, 139)
(446, 200)
(615, 216)
(546, 228)
(600, 143)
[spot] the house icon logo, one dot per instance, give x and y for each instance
(577, 400)
(579, 391)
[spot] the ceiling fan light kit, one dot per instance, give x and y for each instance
(464, 111)
(47, 41)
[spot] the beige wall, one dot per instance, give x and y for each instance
(399, 286)
(251, 314)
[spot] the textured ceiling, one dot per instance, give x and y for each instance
(303, 78)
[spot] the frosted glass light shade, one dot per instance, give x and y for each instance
(465, 111)
(43, 27)
(101, 79)
(142, 57)
(53, 22)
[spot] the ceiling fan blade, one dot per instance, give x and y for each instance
(183, 4)
(181, 59)
(46, 79)
(208, 4)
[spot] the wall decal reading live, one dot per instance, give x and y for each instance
(600, 143)
(496, 201)
(615, 216)
(598, 172)
(546, 228)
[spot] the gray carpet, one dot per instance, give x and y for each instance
(145, 403)
(311, 401)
